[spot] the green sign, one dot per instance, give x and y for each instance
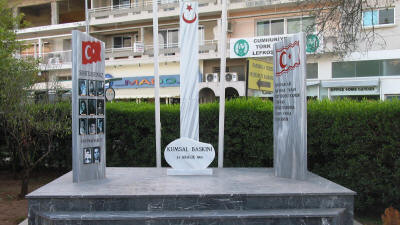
(241, 47)
(312, 43)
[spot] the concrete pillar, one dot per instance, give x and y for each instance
(218, 36)
(142, 34)
(54, 13)
(15, 14)
(40, 47)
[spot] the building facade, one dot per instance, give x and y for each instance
(126, 28)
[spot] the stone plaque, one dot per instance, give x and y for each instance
(88, 108)
(189, 157)
(290, 108)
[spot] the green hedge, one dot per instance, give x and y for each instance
(355, 144)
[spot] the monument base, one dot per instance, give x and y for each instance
(230, 196)
(176, 172)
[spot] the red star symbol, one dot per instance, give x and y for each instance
(189, 7)
(290, 56)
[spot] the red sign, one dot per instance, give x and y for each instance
(288, 58)
(91, 52)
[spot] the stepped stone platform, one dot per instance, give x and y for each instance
(248, 196)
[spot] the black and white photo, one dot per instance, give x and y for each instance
(87, 156)
(92, 91)
(92, 107)
(100, 88)
(92, 126)
(100, 126)
(82, 87)
(96, 154)
(82, 126)
(83, 107)
(100, 107)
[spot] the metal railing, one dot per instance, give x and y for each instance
(142, 5)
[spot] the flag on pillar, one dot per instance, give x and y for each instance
(189, 69)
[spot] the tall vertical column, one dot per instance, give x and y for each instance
(222, 85)
(54, 13)
(15, 14)
(156, 84)
(142, 35)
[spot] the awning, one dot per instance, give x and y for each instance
(350, 83)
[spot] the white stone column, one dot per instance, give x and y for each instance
(142, 35)
(54, 13)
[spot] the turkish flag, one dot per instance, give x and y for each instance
(91, 52)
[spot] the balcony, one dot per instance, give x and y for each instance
(141, 53)
(236, 5)
(143, 11)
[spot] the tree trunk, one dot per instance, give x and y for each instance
(24, 184)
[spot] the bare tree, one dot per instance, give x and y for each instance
(340, 23)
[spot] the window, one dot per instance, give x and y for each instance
(312, 70)
(306, 24)
(378, 17)
(368, 68)
(270, 27)
(122, 42)
(392, 97)
(263, 28)
(121, 3)
(277, 27)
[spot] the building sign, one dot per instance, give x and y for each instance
(146, 82)
(260, 75)
(88, 108)
(261, 46)
(343, 91)
(290, 108)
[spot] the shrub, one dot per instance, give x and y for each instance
(355, 144)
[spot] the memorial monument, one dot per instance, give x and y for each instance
(285, 195)
(187, 155)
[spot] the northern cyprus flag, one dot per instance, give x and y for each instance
(189, 69)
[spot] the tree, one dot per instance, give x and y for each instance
(27, 125)
(340, 22)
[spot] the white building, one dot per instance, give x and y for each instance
(126, 28)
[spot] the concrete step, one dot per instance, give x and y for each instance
(330, 216)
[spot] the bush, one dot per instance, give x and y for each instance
(355, 144)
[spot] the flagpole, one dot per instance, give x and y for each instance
(222, 86)
(87, 16)
(156, 84)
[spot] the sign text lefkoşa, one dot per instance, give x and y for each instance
(290, 108)
(88, 108)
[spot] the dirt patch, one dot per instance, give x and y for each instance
(12, 210)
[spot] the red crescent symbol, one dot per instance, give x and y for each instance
(280, 60)
(189, 21)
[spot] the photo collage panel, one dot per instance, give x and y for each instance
(91, 107)
(91, 155)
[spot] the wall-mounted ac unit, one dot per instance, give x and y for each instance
(211, 77)
(231, 76)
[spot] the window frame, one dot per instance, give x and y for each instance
(285, 25)
(122, 39)
(379, 25)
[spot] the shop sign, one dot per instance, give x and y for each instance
(260, 75)
(146, 82)
(341, 91)
(261, 46)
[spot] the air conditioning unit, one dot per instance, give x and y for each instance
(211, 77)
(231, 76)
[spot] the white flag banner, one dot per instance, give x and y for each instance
(189, 70)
